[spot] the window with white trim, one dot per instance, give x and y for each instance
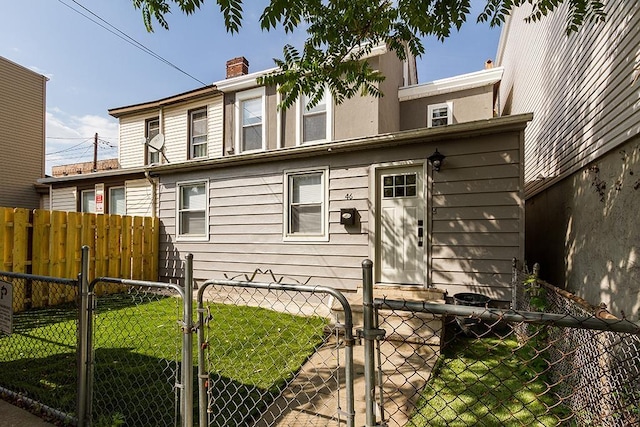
(192, 210)
(88, 201)
(306, 205)
(440, 114)
(152, 128)
(314, 123)
(198, 133)
(116, 201)
(249, 121)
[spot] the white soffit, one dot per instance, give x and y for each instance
(451, 84)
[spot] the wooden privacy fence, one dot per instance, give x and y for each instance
(48, 243)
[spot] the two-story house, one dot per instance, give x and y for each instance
(582, 162)
(311, 192)
(22, 134)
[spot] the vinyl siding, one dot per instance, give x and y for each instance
(132, 135)
(246, 228)
(579, 88)
(138, 197)
(477, 217)
(175, 128)
(474, 206)
(64, 199)
(22, 116)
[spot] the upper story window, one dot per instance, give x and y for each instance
(152, 128)
(192, 210)
(314, 123)
(117, 201)
(198, 133)
(249, 121)
(88, 201)
(440, 114)
(306, 205)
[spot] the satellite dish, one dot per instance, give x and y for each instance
(157, 142)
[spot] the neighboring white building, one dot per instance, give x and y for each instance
(582, 156)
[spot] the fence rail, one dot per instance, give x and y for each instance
(47, 243)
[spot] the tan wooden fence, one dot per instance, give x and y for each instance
(48, 243)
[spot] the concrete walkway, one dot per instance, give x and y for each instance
(12, 416)
(312, 398)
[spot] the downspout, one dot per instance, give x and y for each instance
(153, 192)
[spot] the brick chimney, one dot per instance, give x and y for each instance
(237, 67)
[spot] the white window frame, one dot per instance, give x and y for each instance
(244, 96)
(82, 207)
(192, 237)
(124, 193)
(191, 136)
(300, 107)
(298, 237)
(430, 108)
(148, 152)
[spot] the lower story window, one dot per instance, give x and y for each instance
(117, 201)
(192, 209)
(306, 205)
(89, 201)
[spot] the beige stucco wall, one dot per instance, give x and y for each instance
(584, 231)
(468, 105)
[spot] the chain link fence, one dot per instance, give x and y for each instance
(598, 372)
(137, 354)
(542, 364)
(271, 356)
(38, 358)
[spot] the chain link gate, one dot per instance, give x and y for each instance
(137, 352)
(485, 366)
(269, 354)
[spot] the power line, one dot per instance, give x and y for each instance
(124, 36)
(69, 148)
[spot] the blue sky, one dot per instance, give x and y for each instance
(92, 70)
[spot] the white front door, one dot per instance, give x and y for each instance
(400, 230)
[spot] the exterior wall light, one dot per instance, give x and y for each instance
(436, 160)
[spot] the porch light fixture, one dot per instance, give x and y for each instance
(436, 160)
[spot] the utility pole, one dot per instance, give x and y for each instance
(95, 152)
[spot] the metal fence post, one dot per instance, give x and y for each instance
(187, 346)
(368, 334)
(84, 342)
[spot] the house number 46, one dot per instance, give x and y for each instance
(348, 196)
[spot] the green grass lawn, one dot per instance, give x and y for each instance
(488, 382)
(251, 352)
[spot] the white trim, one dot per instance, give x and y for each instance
(309, 238)
(374, 189)
(448, 105)
(192, 238)
(329, 120)
(246, 81)
(451, 84)
(243, 96)
(279, 124)
(191, 113)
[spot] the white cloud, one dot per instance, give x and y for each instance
(70, 138)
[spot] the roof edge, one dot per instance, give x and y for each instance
(174, 99)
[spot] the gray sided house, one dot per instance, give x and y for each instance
(582, 161)
(22, 134)
(312, 192)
